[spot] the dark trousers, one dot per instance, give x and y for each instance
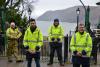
(78, 61)
(83, 65)
(94, 57)
(36, 57)
(54, 46)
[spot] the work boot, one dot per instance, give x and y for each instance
(49, 63)
(19, 61)
(95, 63)
(10, 61)
(61, 64)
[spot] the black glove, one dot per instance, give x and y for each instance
(26, 47)
(75, 52)
(83, 52)
(58, 39)
(37, 48)
(53, 39)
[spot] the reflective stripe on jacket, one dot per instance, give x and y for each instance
(33, 39)
(82, 42)
(55, 32)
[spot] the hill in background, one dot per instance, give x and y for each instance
(69, 15)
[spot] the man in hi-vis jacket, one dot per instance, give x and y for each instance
(33, 40)
(56, 34)
(81, 47)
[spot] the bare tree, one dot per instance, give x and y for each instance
(11, 3)
(28, 4)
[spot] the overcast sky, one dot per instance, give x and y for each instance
(44, 5)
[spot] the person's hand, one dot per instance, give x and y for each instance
(37, 48)
(31, 51)
(52, 39)
(79, 54)
(75, 52)
(84, 52)
(26, 47)
(58, 39)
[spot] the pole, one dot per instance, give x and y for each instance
(77, 12)
(29, 18)
(29, 13)
(86, 12)
(77, 20)
(84, 9)
(83, 5)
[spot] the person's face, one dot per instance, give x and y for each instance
(12, 25)
(33, 24)
(81, 28)
(56, 23)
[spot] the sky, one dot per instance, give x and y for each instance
(42, 6)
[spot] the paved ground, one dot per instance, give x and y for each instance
(4, 63)
(44, 61)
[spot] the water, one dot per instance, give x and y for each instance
(44, 25)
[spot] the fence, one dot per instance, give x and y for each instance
(45, 50)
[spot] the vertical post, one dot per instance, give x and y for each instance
(84, 9)
(29, 18)
(87, 22)
(98, 26)
(3, 29)
(77, 21)
(29, 13)
(83, 5)
(77, 12)
(66, 48)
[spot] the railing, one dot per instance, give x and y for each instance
(97, 32)
(45, 50)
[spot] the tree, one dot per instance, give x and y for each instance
(13, 11)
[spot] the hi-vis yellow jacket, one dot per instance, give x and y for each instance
(33, 39)
(55, 32)
(81, 42)
(13, 33)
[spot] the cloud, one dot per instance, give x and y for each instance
(45, 5)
